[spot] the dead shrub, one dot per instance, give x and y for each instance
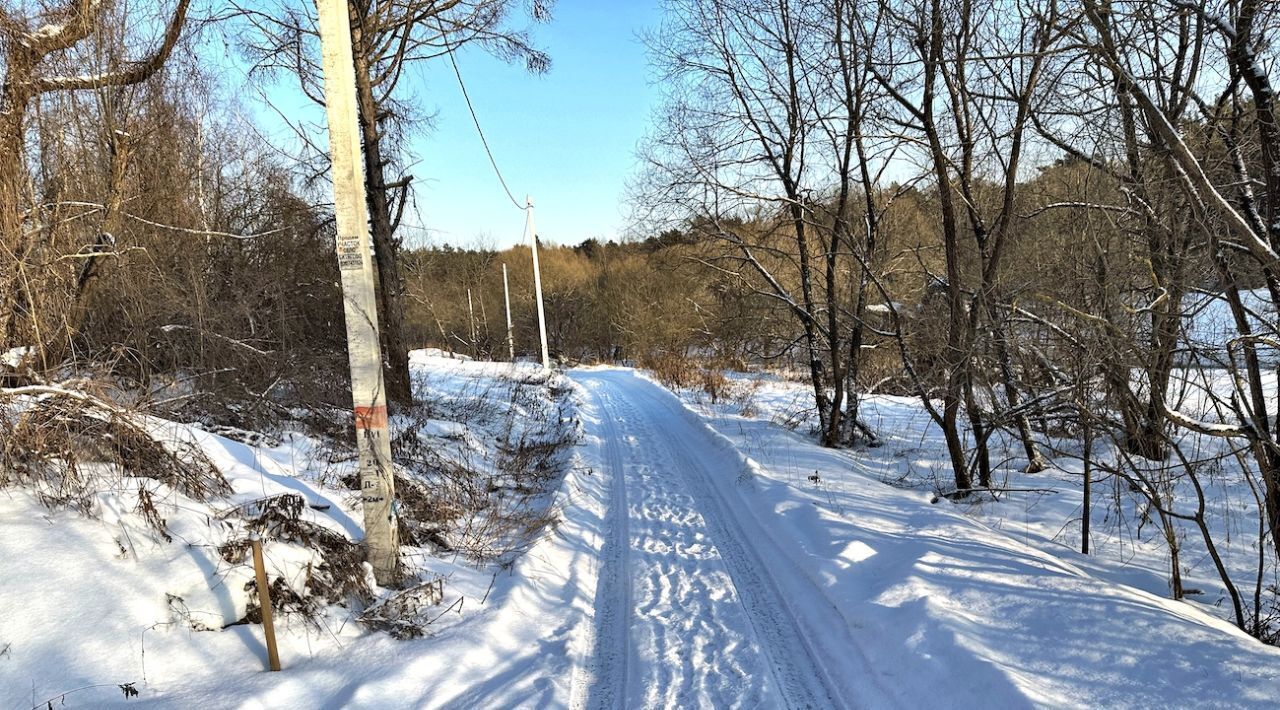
(714, 384)
(730, 363)
(672, 370)
(147, 509)
(404, 614)
(744, 397)
(339, 577)
(68, 446)
(793, 416)
(483, 492)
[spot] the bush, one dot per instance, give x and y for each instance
(68, 446)
(674, 371)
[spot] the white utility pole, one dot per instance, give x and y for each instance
(355, 261)
(506, 294)
(471, 313)
(537, 283)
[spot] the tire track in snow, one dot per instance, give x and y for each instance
(796, 667)
(604, 683)
(707, 609)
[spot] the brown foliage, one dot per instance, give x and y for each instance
(67, 447)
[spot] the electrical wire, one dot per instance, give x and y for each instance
(448, 48)
(524, 230)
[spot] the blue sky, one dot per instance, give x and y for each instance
(568, 137)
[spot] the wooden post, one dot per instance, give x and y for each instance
(506, 294)
(355, 262)
(264, 600)
(1087, 432)
(537, 284)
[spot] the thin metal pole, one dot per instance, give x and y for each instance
(537, 284)
(506, 294)
(368, 391)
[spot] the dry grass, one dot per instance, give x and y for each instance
(707, 380)
(484, 493)
(404, 614)
(674, 371)
(68, 447)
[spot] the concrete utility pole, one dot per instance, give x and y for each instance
(537, 283)
(355, 261)
(471, 313)
(506, 294)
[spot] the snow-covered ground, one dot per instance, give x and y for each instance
(95, 603)
(701, 558)
(815, 583)
(1208, 324)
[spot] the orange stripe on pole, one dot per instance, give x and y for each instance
(371, 417)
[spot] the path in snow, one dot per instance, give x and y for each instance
(688, 611)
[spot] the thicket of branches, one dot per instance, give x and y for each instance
(148, 234)
(152, 231)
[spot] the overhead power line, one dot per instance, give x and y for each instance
(448, 48)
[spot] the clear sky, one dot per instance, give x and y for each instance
(567, 138)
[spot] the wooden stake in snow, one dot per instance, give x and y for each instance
(537, 283)
(368, 391)
(264, 600)
(506, 295)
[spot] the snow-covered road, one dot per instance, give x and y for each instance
(738, 564)
(695, 605)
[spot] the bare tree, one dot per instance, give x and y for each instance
(66, 49)
(765, 145)
(1225, 205)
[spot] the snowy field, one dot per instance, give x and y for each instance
(698, 555)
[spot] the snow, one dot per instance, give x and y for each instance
(428, 354)
(13, 357)
(702, 558)
(892, 589)
(884, 309)
(103, 602)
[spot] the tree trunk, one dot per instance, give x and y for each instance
(955, 444)
(13, 105)
(385, 247)
(1086, 432)
(980, 432)
(835, 424)
(1035, 461)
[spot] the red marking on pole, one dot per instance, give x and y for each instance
(371, 417)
